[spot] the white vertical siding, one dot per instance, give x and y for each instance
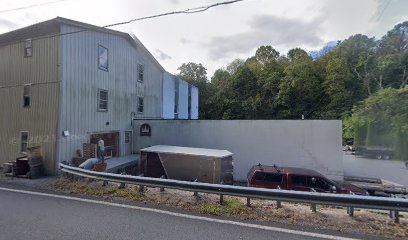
(168, 96)
(183, 100)
(82, 79)
(194, 102)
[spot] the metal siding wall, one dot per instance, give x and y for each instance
(168, 96)
(40, 120)
(82, 78)
(194, 102)
(313, 144)
(183, 100)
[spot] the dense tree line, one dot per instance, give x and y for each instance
(271, 85)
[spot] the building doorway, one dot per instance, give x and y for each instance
(111, 140)
(128, 142)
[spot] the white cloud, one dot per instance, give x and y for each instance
(219, 35)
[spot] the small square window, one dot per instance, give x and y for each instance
(140, 105)
(24, 142)
(28, 48)
(140, 70)
(128, 137)
(103, 62)
(102, 100)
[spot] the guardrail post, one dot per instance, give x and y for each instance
(195, 193)
(278, 204)
(394, 214)
(221, 199)
(122, 185)
(162, 189)
(248, 202)
(350, 211)
(105, 183)
(313, 207)
(141, 188)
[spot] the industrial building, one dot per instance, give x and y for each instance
(64, 83)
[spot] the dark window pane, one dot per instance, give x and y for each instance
(322, 184)
(299, 181)
(259, 176)
(276, 178)
(26, 101)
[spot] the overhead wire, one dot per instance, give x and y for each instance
(30, 6)
(187, 11)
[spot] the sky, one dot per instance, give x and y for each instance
(216, 37)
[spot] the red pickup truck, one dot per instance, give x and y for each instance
(298, 179)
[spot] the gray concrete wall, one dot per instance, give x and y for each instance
(313, 144)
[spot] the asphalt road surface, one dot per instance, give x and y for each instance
(41, 216)
(387, 169)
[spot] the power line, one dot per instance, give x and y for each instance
(187, 11)
(30, 6)
(385, 8)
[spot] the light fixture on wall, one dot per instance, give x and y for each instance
(65, 133)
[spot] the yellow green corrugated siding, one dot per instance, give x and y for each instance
(40, 119)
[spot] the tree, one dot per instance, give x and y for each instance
(393, 54)
(337, 87)
(382, 120)
(300, 92)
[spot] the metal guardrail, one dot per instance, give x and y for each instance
(394, 205)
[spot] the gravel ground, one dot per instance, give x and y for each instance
(333, 218)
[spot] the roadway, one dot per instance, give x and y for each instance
(41, 216)
(391, 170)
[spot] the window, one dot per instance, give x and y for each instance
(24, 142)
(140, 105)
(322, 184)
(102, 58)
(276, 178)
(300, 181)
(140, 70)
(176, 98)
(259, 176)
(26, 95)
(269, 177)
(28, 48)
(127, 136)
(102, 100)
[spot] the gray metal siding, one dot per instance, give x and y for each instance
(82, 79)
(40, 119)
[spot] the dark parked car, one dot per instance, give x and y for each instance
(298, 179)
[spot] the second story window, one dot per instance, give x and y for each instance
(140, 105)
(140, 73)
(103, 62)
(27, 96)
(102, 100)
(28, 48)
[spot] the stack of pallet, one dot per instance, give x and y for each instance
(89, 151)
(35, 162)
